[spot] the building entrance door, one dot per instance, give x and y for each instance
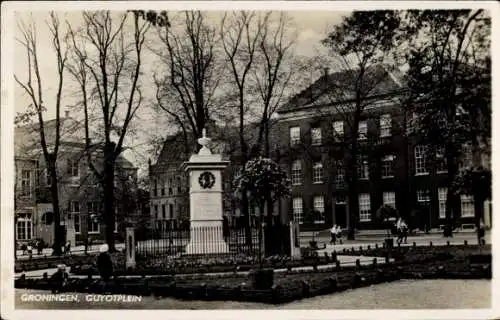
(340, 215)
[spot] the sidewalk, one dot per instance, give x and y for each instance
(77, 250)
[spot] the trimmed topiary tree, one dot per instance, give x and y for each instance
(388, 215)
(265, 182)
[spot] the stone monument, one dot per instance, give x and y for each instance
(205, 200)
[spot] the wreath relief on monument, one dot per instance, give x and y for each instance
(206, 180)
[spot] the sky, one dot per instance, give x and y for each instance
(310, 27)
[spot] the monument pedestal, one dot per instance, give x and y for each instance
(205, 200)
(207, 237)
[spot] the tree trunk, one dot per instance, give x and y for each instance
(58, 234)
(246, 217)
(452, 201)
(352, 180)
(109, 201)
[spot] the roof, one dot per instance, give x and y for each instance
(27, 139)
(339, 87)
(225, 140)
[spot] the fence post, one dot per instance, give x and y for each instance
(130, 248)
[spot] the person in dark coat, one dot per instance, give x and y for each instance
(59, 279)
(39, 247)
(104, 263)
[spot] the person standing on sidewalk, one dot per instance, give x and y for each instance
(481, 233)
(333, 235)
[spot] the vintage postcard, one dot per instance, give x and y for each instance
(303, 159)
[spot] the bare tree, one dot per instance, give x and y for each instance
(186, 91)
(33, 87)
(107, 67)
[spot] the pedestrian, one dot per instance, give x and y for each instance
(339, 233)
(67, 248)
(59, 280)
(104, 263)
(30, 251)
(481, 233)
(333, 234)
(39, 247)
(404, 230)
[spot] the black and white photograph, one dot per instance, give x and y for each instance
(307, 156)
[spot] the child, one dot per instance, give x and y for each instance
(339, 233)
(333, 234)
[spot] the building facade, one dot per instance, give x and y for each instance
(394, 167)
(80, 193)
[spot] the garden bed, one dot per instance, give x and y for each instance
(288, 286)
(47, 262)
(421, 253)
(195, 265)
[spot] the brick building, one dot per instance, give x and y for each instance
(80, 194)
(394, 168)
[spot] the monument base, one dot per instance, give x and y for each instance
(213, 247)
(207, 237)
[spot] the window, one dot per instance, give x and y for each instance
(389, 198)
(442, 195)
(467, 206)
(155, 189)
(319, 207)
(466, 157)
(24, 226)
(388, 166)
(318, 172)
(74, 207)
(385, 125)
(72, 168)
(340, 199)
(171, 211)
(296, 172)
(340, 176)
(163, 211)
(163, 189)
(440, 160)
(364, 207)
(338, 130)
(316, 136)
(170, 191)
(423, 196)
(363, 130)
(363, 168)
(116, 226)
(297, 210)
(93, 217)
(26, 177)
(156, 212)
(294, 135)
(420, 160)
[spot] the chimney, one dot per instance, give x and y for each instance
(66, 114)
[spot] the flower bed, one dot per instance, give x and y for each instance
(47, 262)
(422, 253)
(190, 265)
